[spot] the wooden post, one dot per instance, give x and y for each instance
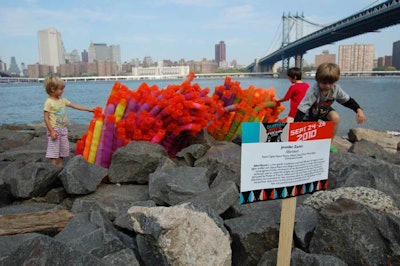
(286, 231)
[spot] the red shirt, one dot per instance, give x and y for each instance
(295, 93)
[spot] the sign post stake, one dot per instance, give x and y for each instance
(288, 212)
(296, 162)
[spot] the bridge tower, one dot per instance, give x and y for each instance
(290, 23)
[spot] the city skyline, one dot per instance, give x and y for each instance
(173, 29)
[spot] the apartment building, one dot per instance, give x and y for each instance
(356, 57)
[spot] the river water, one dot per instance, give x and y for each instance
(378, 96)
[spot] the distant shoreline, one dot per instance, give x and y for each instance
(350, 74)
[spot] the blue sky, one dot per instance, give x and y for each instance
(174, 29)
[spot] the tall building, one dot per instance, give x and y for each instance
(14, 69)
(115, 54)
(102, 52)
(3, 66)
(396, 55)
(98, 51)
(85, 56)
(325, 57)
(357, 57)
(220, 53)
(51, 48)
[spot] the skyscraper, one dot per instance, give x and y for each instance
(220, 53)
(51, 48)
(14, 69)
(99, 52)
(396, 55)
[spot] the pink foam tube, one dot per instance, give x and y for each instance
(110, 109)
(188, 127)
(168, 110)
(232, 107)
(129, 108)
(191, 95)
(167, 120)
(143, 107)
(193, 105)
(159, 136)
(156, 109)
(108, 141)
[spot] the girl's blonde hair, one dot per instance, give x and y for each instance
(52, 83)
(327, 73)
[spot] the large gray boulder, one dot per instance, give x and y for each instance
(356, 234)
(134, 162)
(94, 234)
(44, 250)
(184, 234)
(254, 230)
(11, 139)
(219, 198)
(173, 185)
(123, 257)
(300, 258)
(27, 180)
(359, 170)
(224, 155)
(10, 243)
(80, 177)
(111, 200)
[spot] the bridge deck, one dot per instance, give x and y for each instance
(377, 17)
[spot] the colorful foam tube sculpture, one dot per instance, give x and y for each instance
(239, 106)
(172, 116)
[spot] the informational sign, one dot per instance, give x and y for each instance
(281, 160)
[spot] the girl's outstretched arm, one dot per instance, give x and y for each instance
(80, 107)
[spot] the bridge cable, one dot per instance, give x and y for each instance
(275, 45)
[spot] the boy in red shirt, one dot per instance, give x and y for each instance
(296, 91)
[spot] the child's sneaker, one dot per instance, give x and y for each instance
(334, 149)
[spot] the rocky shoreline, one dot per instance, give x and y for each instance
(149, 209)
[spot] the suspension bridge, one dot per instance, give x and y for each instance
(380, 16)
